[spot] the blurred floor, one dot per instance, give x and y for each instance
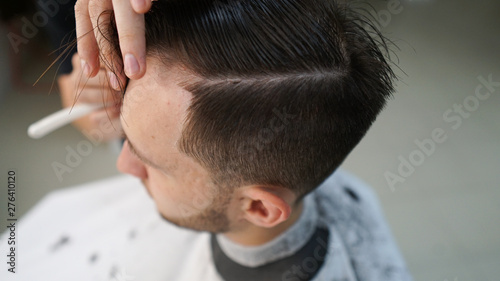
(444, 214)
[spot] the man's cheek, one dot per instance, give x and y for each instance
(204, 196)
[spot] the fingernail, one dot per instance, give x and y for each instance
(85, 67)
(131, 65)
(113, 81)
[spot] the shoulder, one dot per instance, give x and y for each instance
(350, 207)
(349, 187)
(344, 198)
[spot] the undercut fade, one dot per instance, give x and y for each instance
(286, 88)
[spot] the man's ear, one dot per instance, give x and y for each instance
(267, 206)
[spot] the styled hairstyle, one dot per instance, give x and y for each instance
(286, 88)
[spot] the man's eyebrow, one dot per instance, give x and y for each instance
(140, 156)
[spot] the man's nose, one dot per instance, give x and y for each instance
(129, 163)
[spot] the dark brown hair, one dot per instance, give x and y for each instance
(287, 88)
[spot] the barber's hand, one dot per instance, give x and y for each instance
(103, 124)
(129, 17)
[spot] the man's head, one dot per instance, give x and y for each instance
(247, 106)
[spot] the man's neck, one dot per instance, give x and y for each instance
(252, 235)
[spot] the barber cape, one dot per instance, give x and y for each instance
(111, 230)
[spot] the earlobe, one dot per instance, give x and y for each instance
(267, 207)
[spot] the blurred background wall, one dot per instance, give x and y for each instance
(25, 53)
(433, 156)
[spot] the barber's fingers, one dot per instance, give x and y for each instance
(106, 113)
(103, 80)
(101, 125)
(92, 15)
(100, 12)
(86, 41)
(98, 81)
(82, 80)
(96, 96)
(141, 6)
(92, 18)
(131, 33)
